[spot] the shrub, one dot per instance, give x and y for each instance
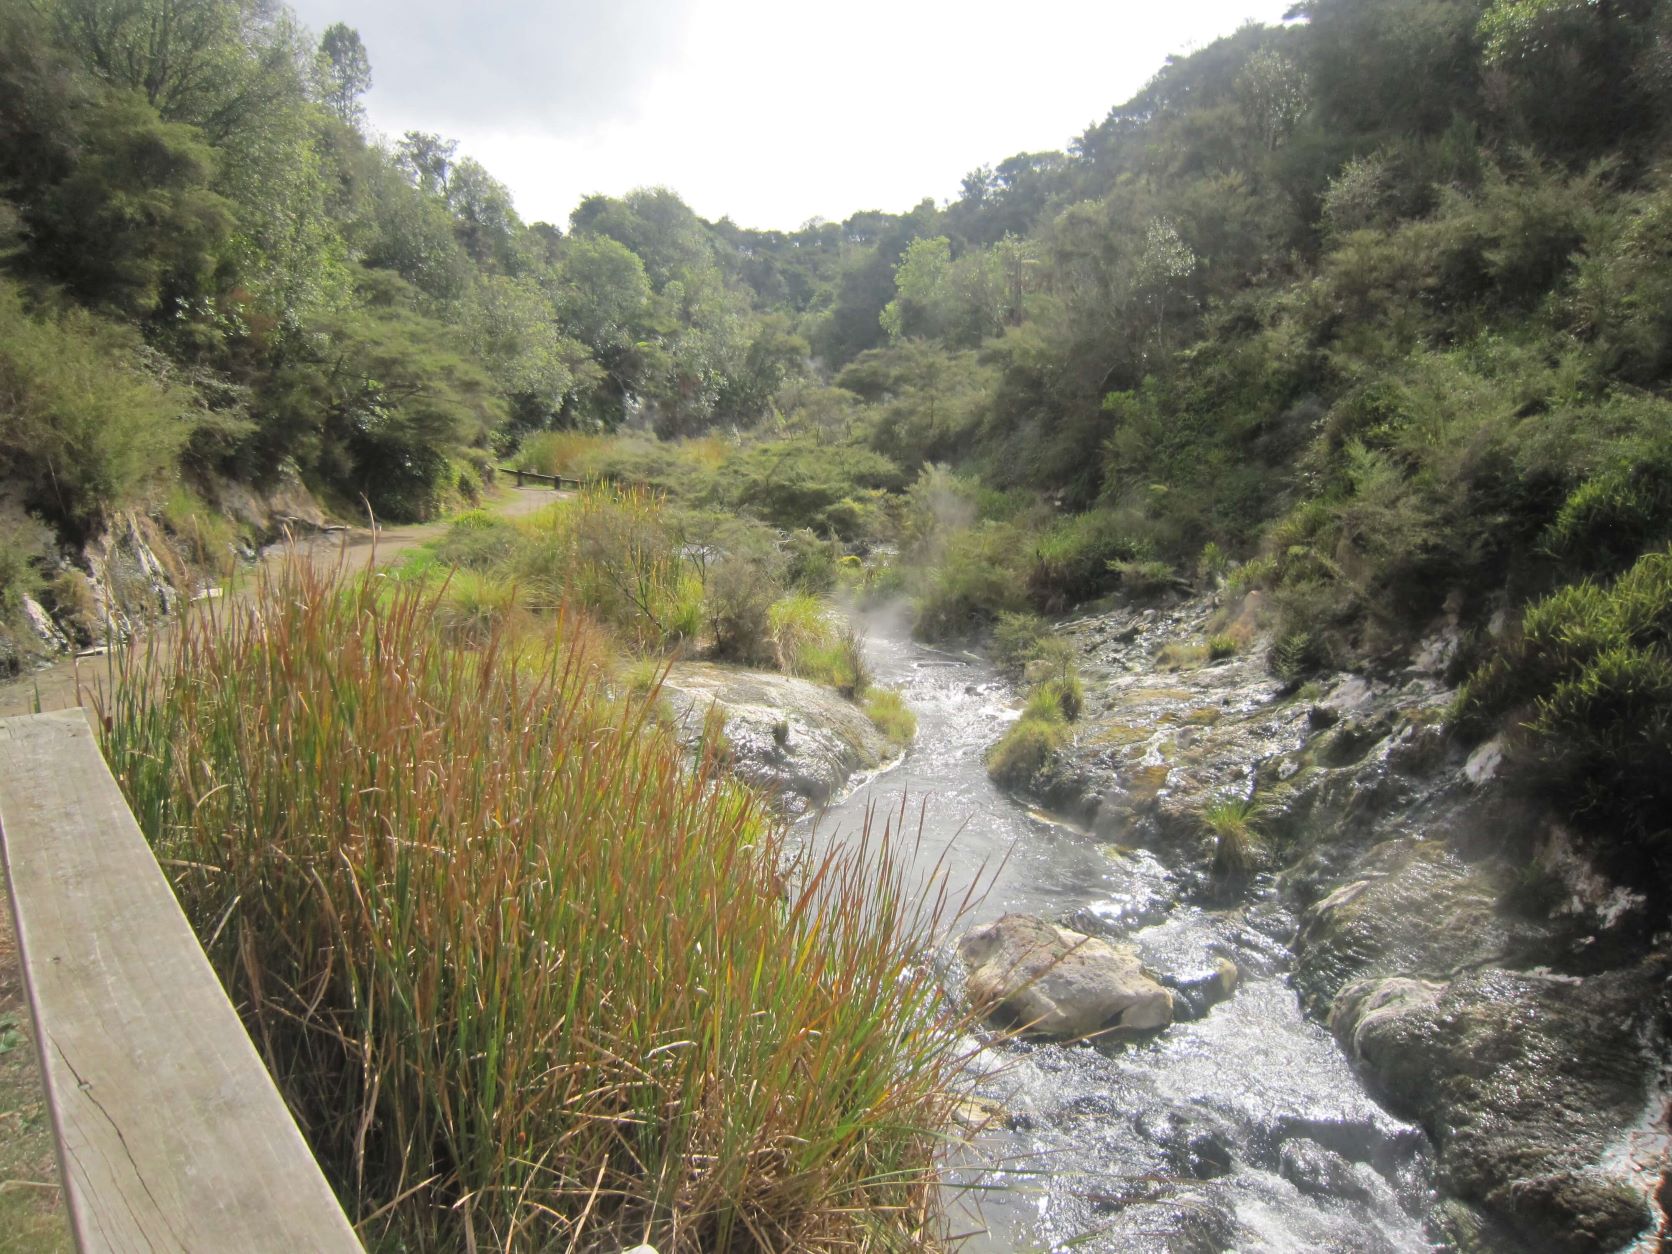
(1212, 566)
(1296, 654)
(892, 716)
(24, 544)
(478, 540)
(1175, 655)
(206, 535)
(566, 453)
(840, 662)
(800, 632)
(737, 603)
(1016, 639)
(1073, 559)
(1064, 695)
(1588, 684)
(430, 890)
(475, 607)
(1144, 580)
(1023, 752)
(612, 553)
(83, 426)
(1221, 647)
(976, 580)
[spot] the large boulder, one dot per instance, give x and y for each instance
(1049, 981)
(1526, 1082)
(797, 740)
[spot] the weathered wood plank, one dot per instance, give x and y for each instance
(171, 1135)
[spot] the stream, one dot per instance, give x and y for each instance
(1244, 1128)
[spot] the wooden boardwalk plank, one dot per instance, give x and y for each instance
(171, 1135)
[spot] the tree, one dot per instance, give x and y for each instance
(344, 72)
(136, 225)
(920, 281)
(487, 221)
(1165, 262)
(217, 64)
(1272, 91)
(427, 160)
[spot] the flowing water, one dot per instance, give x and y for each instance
(1242, 1129)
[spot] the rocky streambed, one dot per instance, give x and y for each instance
(1423, 1020)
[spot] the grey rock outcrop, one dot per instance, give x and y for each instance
(799, 741)
(1052, 982)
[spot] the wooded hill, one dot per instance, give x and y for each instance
(1377, 303)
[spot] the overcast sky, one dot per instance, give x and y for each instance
(767, 111)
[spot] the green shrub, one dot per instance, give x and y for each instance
(428, 894)
(1221, 646)
(800, 630)
(24, 545)
(478, 540)
(892, 716)
(84, 427)
(1296, 654)
(1016, 639)
(1024, 751)
(206, 534)
(475, 607)
(1074, 558)
(737, 605)
(1066, 696)
(1144, 580)
(612, 554)
(1617, 513)
(977, 579)
(1588, 686)
(1213, 565)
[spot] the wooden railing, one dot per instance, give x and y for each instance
(558, 482)
(171, 1134)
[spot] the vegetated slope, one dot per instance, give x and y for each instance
(1377, 299)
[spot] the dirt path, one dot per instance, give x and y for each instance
(57, 685)
(31, 1209)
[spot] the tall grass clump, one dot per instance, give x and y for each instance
(528, 980)
(889, 712)
(1233, 822)
(611, 551)
(565, 453)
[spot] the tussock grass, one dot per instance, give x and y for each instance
(892, 716)
(1025, 749)
(475, 607)
(527, 979)
(1233, 824)
(612, 551)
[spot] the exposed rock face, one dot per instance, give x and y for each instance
(1413, 908)
(1524, 1081)
(1052, 982)
(1431, 904)
(798, 740)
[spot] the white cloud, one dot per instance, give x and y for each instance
(769, 112)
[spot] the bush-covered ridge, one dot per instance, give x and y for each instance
(1373, 303)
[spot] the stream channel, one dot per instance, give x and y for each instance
(1244, 1128)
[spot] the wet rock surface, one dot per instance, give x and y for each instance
(1483, 976)
(1524, 1080)
(1049, 981)
(797, 740)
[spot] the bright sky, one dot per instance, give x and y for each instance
(768, 111)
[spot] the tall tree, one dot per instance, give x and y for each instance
(344, 72)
